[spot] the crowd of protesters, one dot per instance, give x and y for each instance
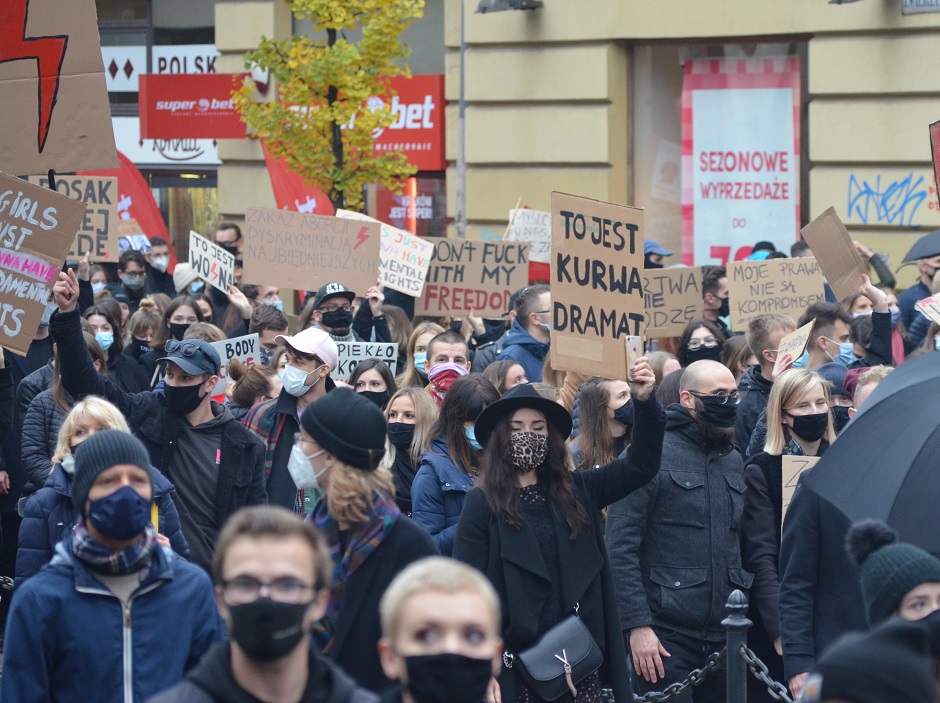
(425, 532)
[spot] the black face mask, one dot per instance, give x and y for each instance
(717, 413)
(142, 345)
(725, 308)
(267, 630)
(338, 320)
(401, 434)
(447, 678)
(932, 622)
(181, 400)
(231, 249)
(624, 414)
(380, 398)
(840, 417)
(651, 264)
(810, 427)
(178, 329)
(703, 353)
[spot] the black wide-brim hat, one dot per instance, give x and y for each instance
(521, 396)
(926, 247)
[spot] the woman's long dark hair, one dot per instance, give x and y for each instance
(102, 309)
(683, 350)
(162, 335)
(554, 475)
(465, 400)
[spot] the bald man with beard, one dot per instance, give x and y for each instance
(674, 545)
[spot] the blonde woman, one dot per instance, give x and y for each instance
(798, 424)
(410, 414)
(49, 515)
(339, 449)
(415, 353)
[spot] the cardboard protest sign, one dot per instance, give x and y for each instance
(473, 276)
(534, 227)
(597, 288)
(56, 113)
(131, 236)
(245, 349)
(303, 251)
(351, 353)
(794, 344)
(935, 155)
(672, 299)
(211, 262)
(786, 286)
(37, 227)
(404, 258)
(930, 307)
(838, 258)
(97, 235)
(793, 468)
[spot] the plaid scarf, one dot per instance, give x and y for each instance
(362, 540)
(106, 561)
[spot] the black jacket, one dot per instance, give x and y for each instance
(160, 282)
(212, 681)
(241, 471)
(364, 323)
(820, 596)
(675, 544)
(512, 560)
(31, 386)
(359, 628)
(127, 374)
(40, 436)
(754, 390)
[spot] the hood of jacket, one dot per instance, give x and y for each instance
(752, 380)
(518, 337)
(448, 473)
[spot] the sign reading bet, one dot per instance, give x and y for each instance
(418, 129)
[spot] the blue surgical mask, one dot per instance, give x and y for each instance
(197, 286)
(104, 339)
(276, 304)
(420, 358)
(546, 325)
(895, 317)
(98, 287)
(472, 437)
(846, 353)
(801, 362)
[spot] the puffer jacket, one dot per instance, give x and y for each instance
(754, 390)
(31, 386)
(50, 517)
(529, 352)
(41, 427)
(438, 494)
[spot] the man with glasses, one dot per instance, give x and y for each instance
(530, 335)
(674, 545)
(272, 574)
(333, 313)
(132, 270)
(215, 462)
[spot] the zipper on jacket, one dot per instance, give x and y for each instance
(128, 655)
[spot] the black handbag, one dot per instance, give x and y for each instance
(563, 657)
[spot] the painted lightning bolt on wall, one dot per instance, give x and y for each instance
(55, 112)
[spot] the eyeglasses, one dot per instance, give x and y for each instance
(734, 397)
(247, 589)
(333, 308)
(299, 439)
(709, 341)
(135, 275)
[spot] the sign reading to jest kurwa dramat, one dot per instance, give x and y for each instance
(786, 286)
(597, 284)
(673, 299)
(97, 235)
(37, 227)
(303, 251)
(468, 276)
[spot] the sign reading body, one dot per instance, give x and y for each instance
(97, 235)
(286, 248)
(786, 286)
(473, 276)
(211, 262)
(597, 289)
(673, 299)
(37, 227)
(534, 227)
(351, 353)
(245, 349)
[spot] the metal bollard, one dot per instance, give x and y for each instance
(736, 625)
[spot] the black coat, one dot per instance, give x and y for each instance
(512, 560)
(820, 596)
(127, 374)
(359, 627)
(754, 390)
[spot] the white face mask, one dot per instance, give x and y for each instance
(98, 287)
(301, 470)
(160, 263)
(293, 380)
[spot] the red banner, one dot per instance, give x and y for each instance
(291, 192)
(418, 129)
(190, 106)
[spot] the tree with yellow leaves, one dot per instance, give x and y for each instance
(323, 120)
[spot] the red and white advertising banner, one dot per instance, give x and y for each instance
(740, 157)
(418, 129)
(190, 106)
(292, 192)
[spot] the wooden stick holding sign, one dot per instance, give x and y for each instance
(833, 248)
(793, 468)
(211, 263)
(37, 227)
(793, 344)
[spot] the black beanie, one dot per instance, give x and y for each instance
(349, 427)
(890, 664)
(100, 452)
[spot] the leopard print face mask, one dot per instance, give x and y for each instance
(527, 450)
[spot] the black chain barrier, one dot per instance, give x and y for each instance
(736, 625)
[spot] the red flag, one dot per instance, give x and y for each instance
(291, 192)
(135, 200)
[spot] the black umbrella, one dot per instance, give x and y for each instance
(926, 247)
(886, 462)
